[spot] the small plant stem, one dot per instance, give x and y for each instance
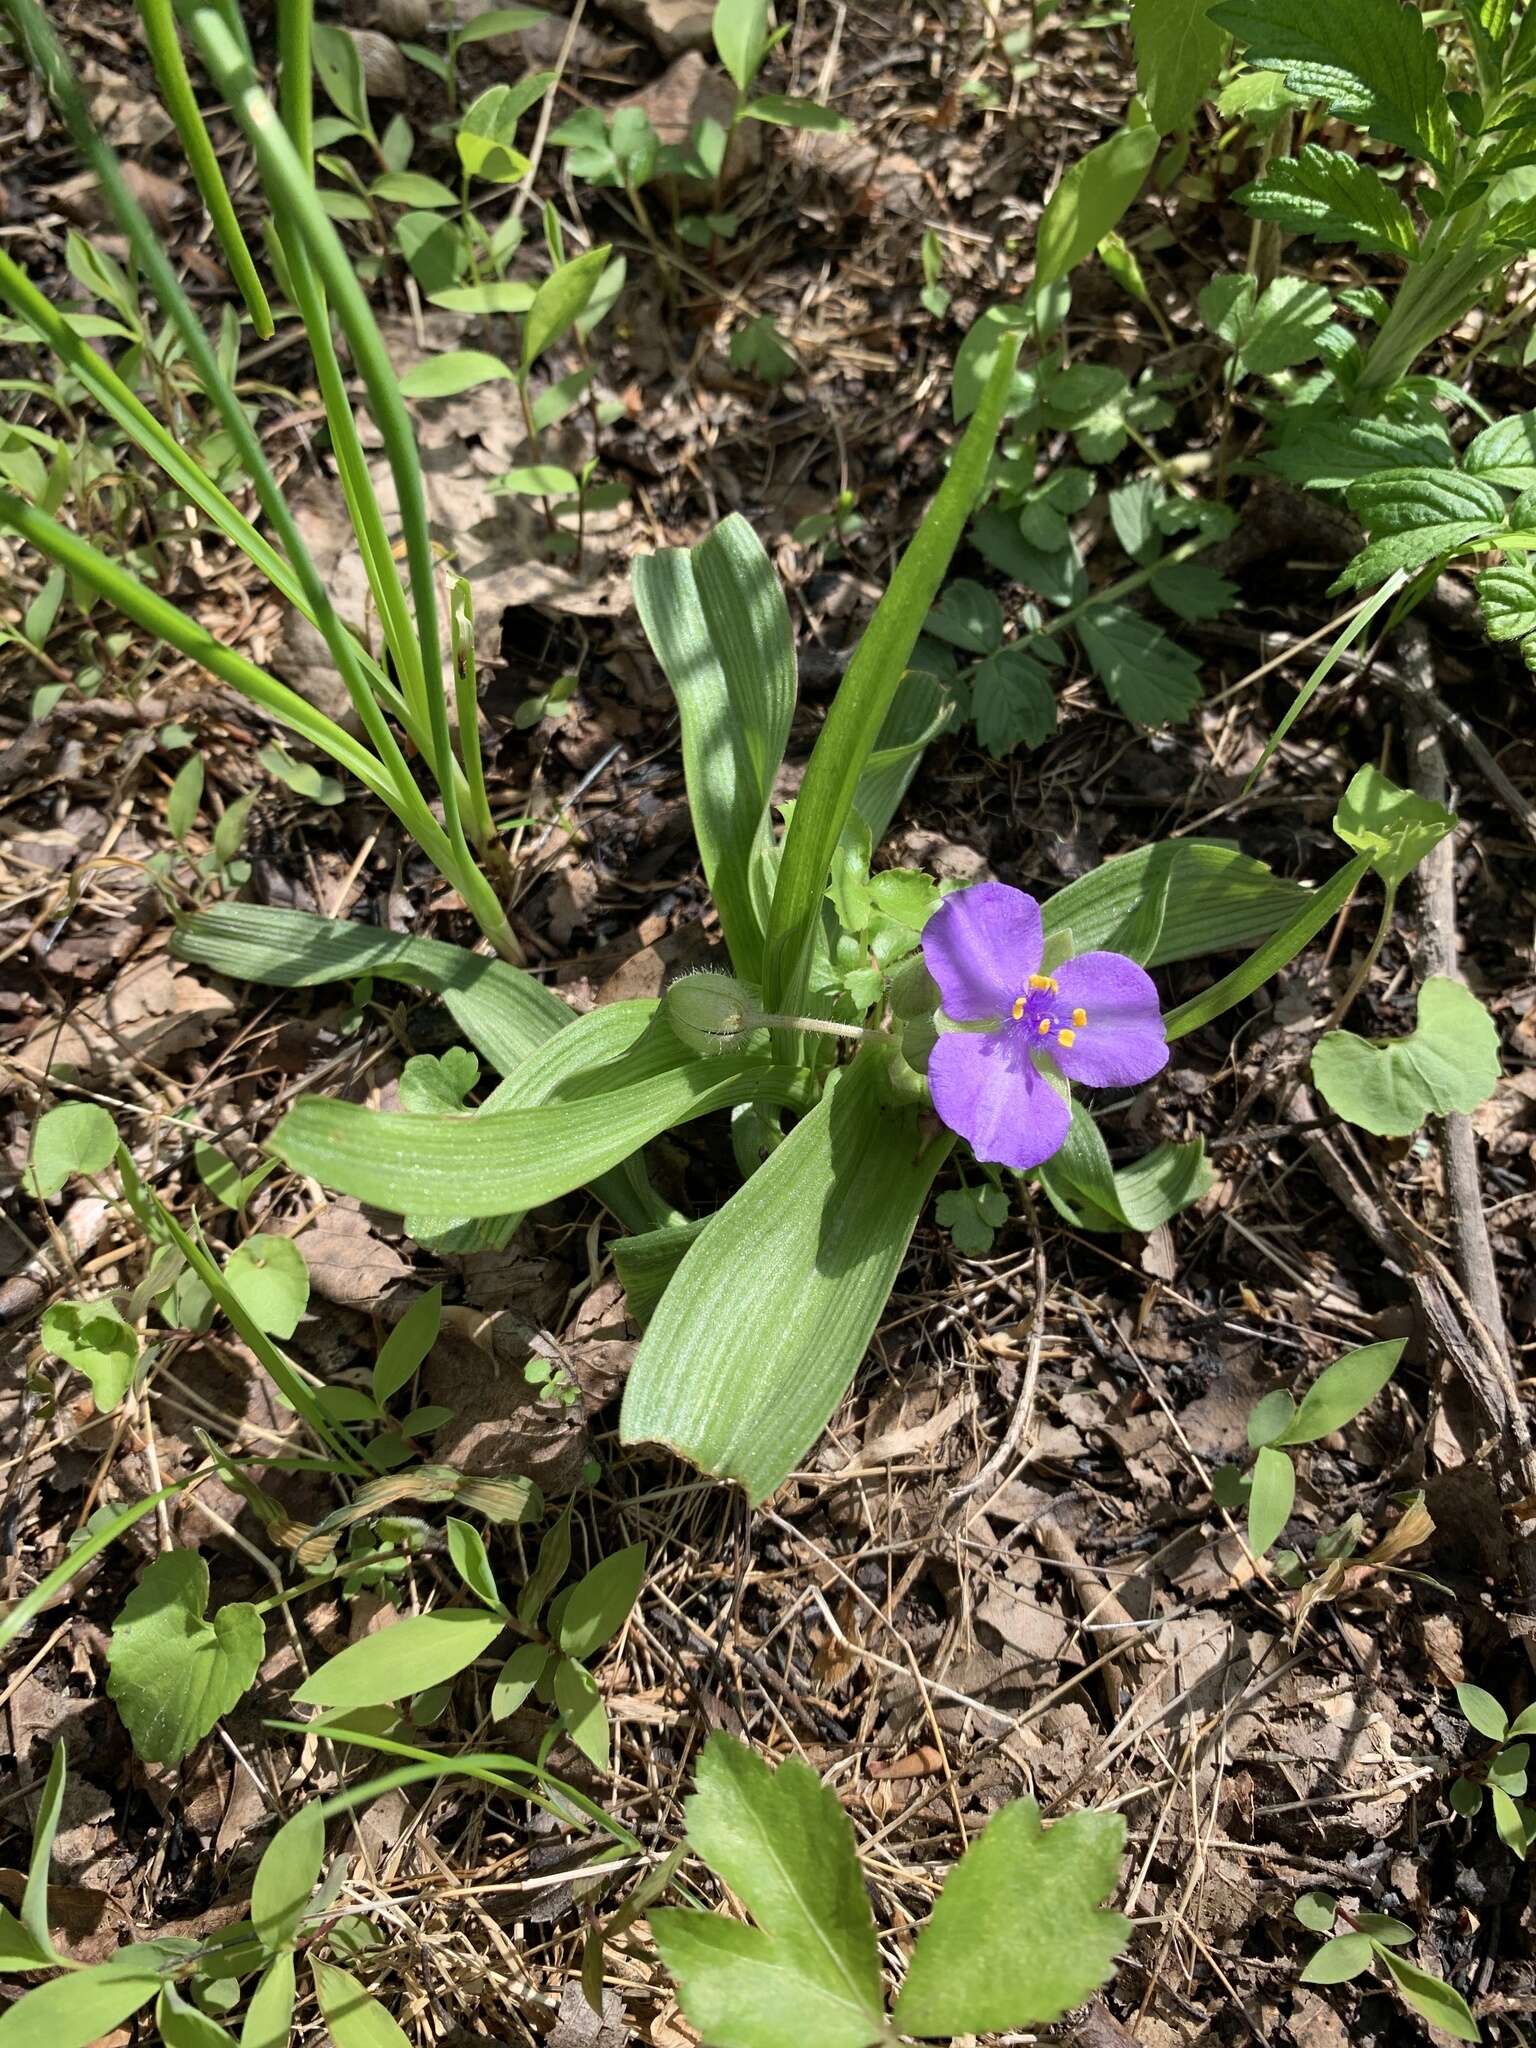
(1134, 581)
(535, 440)
(823, 1027)
(1363, 971)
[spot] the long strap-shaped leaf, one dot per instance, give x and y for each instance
(517, 1158)
(761, 1330)
(716, 616)
(159, 19)
(858, 710)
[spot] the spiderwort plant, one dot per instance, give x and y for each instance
(1092, 1017)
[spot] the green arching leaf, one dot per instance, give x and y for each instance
(455, 370)
(269, 1278)
(598, 1605)
(808, 1249)
(1178, 57)
(859, 709)
(1090, 199)
(784, 111)
(505, 1012)
(1271, 1498)
(184, 797)
(181, 2024)
(1449, 1063)
(268, 2019)
(560, 301)
(719, 624)
(1333, 197)
(1513, 1821)
(1374, 62)
(93, 1337)
(1431, 1997)
(1215, 900)
(287, 1875)
(407, 1345)
(1317, 907)
(581, 1711)
(466, 1547)
(34, 1898)
(173, 1670)
(505, 1160)
(646, 1262)
(1018, 1935)
(76, 2010)
(407, 1657)
(1084, 1186)
(1338, 1961)
(1339, 1394)
(808, 1971)
(1482, 1711)
(340, 67)
(1272, 332)
(354, 2018)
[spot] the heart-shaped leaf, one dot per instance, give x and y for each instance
(175, 1670)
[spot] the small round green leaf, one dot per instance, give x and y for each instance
(77, 1137)
(1316, 1910)
(271, 1282)
(1483, 1711)
(1270, 1418)
(1337, 1961)
(93, 1338)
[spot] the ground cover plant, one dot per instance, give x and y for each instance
(769, 998)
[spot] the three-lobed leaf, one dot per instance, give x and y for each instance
(1018, 1934)
(174, 1670)
(809, 1970)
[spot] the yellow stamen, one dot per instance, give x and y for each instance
(1079, 1018)
(1044, 1026)
(1067, 1038)
(1042, 981)
(1018, 1008)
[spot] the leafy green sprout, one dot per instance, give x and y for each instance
(1500, 1777)
(1374, 1941)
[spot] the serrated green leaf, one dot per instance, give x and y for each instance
(1507, 594)
(1017, 1936)
(77, 2010)
(1400, 500)
(287, 1875)
(174, 1671)
(1449, 1062)
(1193, 590)
(271, 1281)
(1270, 1499)
(1149, 676)
(409, 1656)
(1338, 1961)
(1178, 55)
(1334, 198)
(599, 1604)
(1324, 449)
(1339, 1393)
(1090, 198)
(1374, 62)
(1408, 552)
(1482, 1711)
(1395, 827)
(1431, 1997)
(808, 1971)
(76, 1137)
(93, 1337)
(1504, 453)
(967, 616)
(1012, 702)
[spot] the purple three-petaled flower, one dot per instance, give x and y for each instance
(1094, 1017)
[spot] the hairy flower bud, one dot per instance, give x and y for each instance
(710, 1012)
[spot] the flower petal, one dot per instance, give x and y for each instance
(981, 946)
(1123, 1041)
(1009, 1113)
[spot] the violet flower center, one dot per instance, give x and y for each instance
(1039, 1020)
